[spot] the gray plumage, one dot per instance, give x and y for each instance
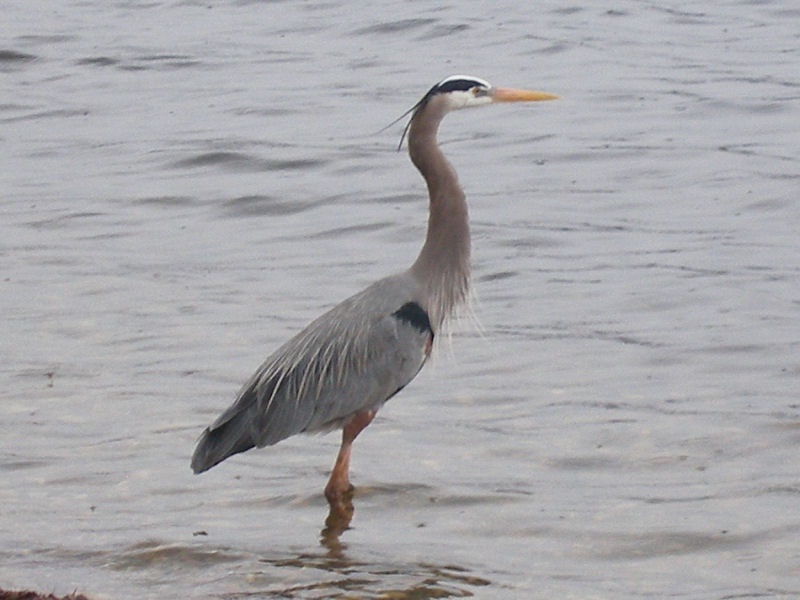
(340, 369)
(355, 356)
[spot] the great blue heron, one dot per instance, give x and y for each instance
(340, 369)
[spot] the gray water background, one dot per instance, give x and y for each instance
(183, 185)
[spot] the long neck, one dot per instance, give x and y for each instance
(443, 263)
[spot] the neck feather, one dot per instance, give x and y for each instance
(443, 263)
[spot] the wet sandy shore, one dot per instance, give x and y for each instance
(29, 595)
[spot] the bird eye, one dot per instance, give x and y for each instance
(478, 91)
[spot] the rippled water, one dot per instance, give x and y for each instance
(186, 184)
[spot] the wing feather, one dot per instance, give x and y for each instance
(355, 356)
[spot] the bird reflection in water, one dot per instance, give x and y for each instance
(340, 369)
(336, 523)
(331, 573)
(336, 574)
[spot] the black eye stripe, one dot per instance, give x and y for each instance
(457, 85)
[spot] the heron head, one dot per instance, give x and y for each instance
(463, 91)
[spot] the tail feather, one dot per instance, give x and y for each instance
(215, 445)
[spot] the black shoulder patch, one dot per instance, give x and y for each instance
(412, 313)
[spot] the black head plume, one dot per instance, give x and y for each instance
(455, 83)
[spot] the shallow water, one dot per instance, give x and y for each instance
(186, 185)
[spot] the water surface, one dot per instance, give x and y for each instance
(185, 185)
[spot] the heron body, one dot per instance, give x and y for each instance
(340, 369)
(337, 366)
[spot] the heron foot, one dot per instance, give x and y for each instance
(338, 492)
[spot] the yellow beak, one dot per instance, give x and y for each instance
(512, 95)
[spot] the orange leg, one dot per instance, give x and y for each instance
(339, 489)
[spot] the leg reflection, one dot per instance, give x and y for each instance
(337, 522)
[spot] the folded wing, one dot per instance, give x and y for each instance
(354, 357)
